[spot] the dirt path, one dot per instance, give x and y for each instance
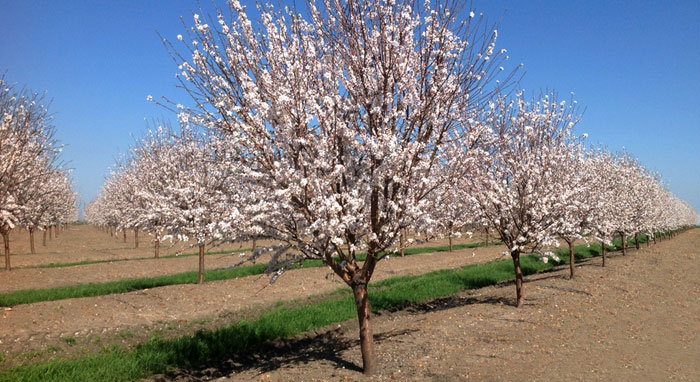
(85, 243)
(44, 278)
(42, 325)
(81, 243)
(634, 320)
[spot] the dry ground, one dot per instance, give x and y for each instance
(635, 320)
(87, 243)
(42, 329)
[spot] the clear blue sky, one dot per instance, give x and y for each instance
(633, 65)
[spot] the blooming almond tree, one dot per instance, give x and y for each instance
(50, 200)
(627, 220)
(645, 194)
(451, 209)
(190, 197)
(151, 156)
(27, 154)
(117, 193)
(573, 185)
(123, 196)
(336, 125)
(451, 213)
(170, 185)
(602, 195)
(515, 193)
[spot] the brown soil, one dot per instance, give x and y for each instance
(42, 330)
(634, 320)
(86, 243)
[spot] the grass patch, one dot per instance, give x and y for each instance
(127, 334)
(159, 355)
(122, 286)
(53, 349)
(130, 285)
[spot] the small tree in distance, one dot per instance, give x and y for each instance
(573, 213)
(49, 201)
(602, 195)
(187, 194)
(529, 143)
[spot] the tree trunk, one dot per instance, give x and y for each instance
(520, 296)
(487, 235)
(252, 250)
(201, 264)
(6, 239)
(402, 238)
(55, 231)
(603, 249)
(136, 237)
(124, 232)
(654, 236)
(450, 239)
(624, 244)
(571, 258)
(50, 234)
(636, 240)
(648, 240)
(111, 231)
(44, 241)
(157, 249)
(31, 241)
(369, 360)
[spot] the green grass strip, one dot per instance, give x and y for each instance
(130, 285)
(159, 355)
(122, 286)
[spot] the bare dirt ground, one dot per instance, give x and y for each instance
(60, 328)
(87, 243)
(634, 320)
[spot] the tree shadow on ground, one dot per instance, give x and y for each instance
(319, 345)
(457, 300)
(279, 354)
(451, 302)
(569, 290)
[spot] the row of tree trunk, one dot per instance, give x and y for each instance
(403, 236)
(623, 239)
(5, 233)
(201, 247)
(520, 296)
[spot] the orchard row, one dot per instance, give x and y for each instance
(332, 132)
(35, 190)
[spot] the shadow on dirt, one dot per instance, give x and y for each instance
(451, 302)
(327, 346)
